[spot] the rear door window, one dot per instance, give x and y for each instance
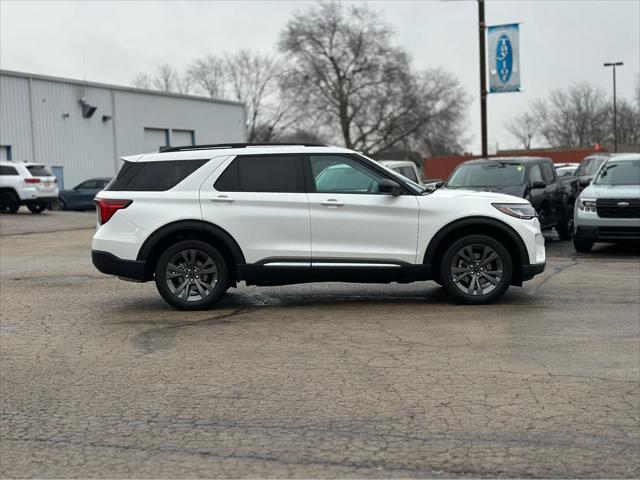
(8, 171)
(153, 176)
(263, 173)
(38, 171)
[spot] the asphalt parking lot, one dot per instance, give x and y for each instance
(100, 378)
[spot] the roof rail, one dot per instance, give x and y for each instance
(234, 145)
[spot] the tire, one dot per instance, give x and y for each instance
(62, 205)
(184, 285)
(582, 245)
(469, 282)
(37, 207)
(565, 227)
(9, 202)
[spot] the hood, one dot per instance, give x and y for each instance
(611, 191)
(515, 190)
(459, 192)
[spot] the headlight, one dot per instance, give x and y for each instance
(587, 205)
(518, 210)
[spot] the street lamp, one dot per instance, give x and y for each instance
(615, 111)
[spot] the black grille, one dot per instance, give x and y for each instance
(619, 232)
(611, 207)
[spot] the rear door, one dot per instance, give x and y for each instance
(351, 220)
(260, 200)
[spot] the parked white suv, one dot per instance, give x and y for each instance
(29, 184)
(406, 168)
(197, 220)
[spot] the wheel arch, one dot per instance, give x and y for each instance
(159, 240)
(483, 226)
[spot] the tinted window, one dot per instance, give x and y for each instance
(499, 174)
(88, 185)
(535, 175)
(263, 173)
(38, 171)
(8, 171)
(547, 173)
(153, 176)
(338, 174)
(619, 173)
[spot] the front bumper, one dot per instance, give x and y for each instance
(111, 265)
(590, 226)
(527, 272)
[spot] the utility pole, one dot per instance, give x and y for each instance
(483, 77)
(615, 109)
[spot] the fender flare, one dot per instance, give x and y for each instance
(199, 225)
(476, 221)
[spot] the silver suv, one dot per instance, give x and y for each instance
(608, 210)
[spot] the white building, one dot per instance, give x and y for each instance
(81, 129)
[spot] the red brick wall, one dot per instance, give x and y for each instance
(442, 166)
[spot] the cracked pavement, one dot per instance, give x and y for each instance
(100, 378)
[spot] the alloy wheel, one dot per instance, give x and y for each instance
(191, 275)
(476, 269)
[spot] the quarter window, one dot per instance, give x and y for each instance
(8, 171)
(153, 176)
(340, 174)
(263, 173)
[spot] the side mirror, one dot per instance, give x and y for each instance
(538, 184)
(584, 182)
(388, 186)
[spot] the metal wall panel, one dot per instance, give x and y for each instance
(15, 118)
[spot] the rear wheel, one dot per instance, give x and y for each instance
(9, 202)
(582, 245)
(476, 269)
(37, 207)
(191, 275)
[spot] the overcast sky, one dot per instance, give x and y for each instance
(562, 42)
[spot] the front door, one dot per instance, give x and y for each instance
(351, 220)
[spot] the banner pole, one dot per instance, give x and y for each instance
(483, 77)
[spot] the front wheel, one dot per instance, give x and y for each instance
(191, 275)
(582, 245)
(565, 227)
(476, 269)
(37, 207)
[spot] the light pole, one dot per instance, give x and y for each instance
(483, 78)
(615, 110)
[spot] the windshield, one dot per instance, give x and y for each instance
(499, 174)
(619, 173)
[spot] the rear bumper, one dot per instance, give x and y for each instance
(38, 200)
(111, 265)
(609, 233)
(530, 271)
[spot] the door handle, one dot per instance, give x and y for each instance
(332, 202)
(221, 199)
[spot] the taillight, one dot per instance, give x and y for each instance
(31, 180)
(107, 207)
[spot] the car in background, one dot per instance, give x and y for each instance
(608, 210)
(81, 196)
(406, 168)
(566, 169)
(587, 169)
(531, 178)
(24, 183)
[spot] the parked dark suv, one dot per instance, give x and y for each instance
(531, 178)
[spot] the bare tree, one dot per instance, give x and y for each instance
(576, 116)
(142, 80)
(628, 122)
(165, 78)
(524, 128)
(254, 79)
(209, 76)
(345, 69)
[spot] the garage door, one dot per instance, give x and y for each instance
(181, 138)
(154, 138)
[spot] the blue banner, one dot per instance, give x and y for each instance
(504, 58)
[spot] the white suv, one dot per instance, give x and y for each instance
(29, 184)
(197, 220)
